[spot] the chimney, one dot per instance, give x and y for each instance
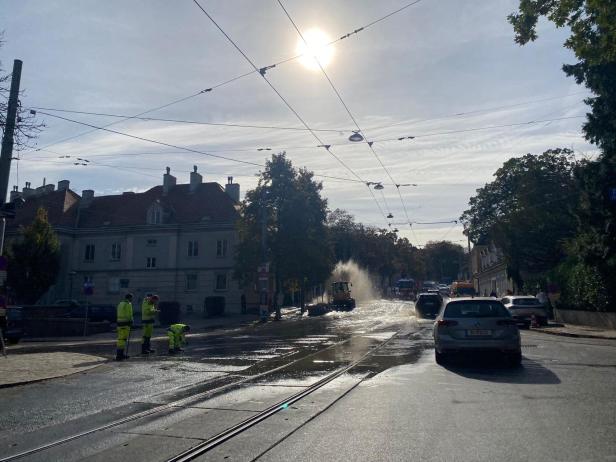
(168, 182)
(232, 189)
(87, 195)
(15, 194)
(27, 191)
(63, 185)
(195, 179)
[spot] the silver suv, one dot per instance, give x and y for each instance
(472, 325)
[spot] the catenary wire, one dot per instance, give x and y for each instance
(348, 110)
(183, 148)
(262, 72)
(233, 79)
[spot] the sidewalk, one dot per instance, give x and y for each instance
(34, 367)
(571, 330)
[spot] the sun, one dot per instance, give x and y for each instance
(315, 50)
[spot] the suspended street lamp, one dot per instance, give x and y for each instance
(356, 137)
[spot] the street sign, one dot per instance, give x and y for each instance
(88, 288)
(263, 272)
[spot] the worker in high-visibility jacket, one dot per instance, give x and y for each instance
(148, 316)
(125, 322)
(177, 337)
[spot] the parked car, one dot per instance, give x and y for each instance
(428, 304)
(474, 325)
(14, 328)
(523, 307)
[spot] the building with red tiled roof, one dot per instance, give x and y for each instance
(175, 240)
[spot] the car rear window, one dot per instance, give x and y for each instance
(429, 299)
(476, 309)
(526, 301)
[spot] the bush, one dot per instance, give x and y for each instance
(582, 288)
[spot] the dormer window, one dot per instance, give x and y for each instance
(155, 215)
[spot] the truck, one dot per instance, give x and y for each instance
(463, 289)
(405, 289)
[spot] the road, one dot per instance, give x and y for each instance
(392, 403)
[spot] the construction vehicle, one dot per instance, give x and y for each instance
(340, 296)
(339, 299)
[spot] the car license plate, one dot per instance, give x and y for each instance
(478, 332)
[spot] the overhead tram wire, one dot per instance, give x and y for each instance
(193, 122)
(238, 77)
(262, 72)
(183, 148)
(346, 107)
(138, 117)
(383, 140)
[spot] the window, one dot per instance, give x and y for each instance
(193, 248)
(191, 282)
(87, 279)
(221, 248)
(155, 214)
(221, 282)
(89, 254)
(114, 285)
(152, 242)
(150, 262)
(124, 283)
(116, 251)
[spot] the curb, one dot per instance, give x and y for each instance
(570, 334)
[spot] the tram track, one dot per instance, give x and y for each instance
(183, 402)
(235, 430)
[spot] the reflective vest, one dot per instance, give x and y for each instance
(177, 328)
(125, 313)
(148, 312)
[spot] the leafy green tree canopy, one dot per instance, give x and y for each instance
(527, 210)
(286, 205)
(34, 260)
(593, 40)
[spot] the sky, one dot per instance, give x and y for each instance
(445, 72)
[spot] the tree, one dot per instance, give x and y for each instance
(443, 259)
(593, 40)
(289, 203)
(527, 211)
(26, 126)
(34, 260)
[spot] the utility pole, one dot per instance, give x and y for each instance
(7, 142)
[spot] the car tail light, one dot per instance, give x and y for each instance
(446, 323)
(507, 322)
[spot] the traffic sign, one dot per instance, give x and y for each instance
(88, 288)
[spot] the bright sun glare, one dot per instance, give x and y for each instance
(315, 49)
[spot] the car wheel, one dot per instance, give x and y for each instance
(12, 340)
(515, 359)
(439, 357)
(543, 321)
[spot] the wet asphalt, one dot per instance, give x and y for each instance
(394, 404)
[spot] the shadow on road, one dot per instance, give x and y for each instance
(495, 370)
